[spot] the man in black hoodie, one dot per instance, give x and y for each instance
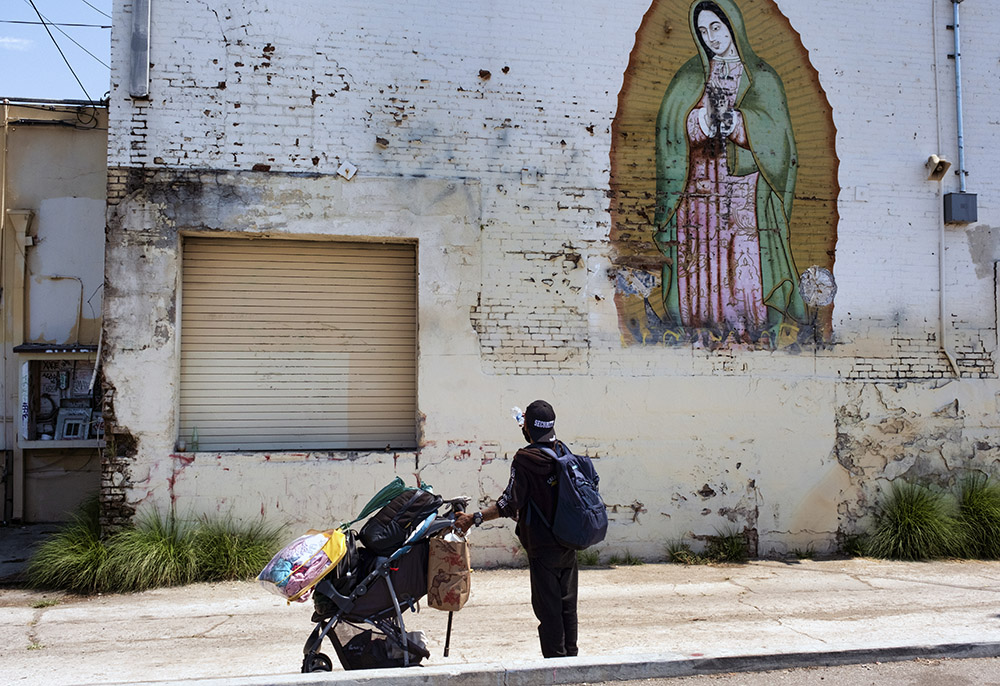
(553, 569)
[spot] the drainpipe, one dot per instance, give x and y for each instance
(951, 215)
(946, 348)
(138, 85)
(14, 243)
(942, 308)
(959, 208)
(958, 96)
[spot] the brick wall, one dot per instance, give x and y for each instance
(521, 100)
(524, 101)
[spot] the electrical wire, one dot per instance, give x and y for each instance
(57, 25)
(42, 23)
(56, 105)
(86, 118)
(91, 118)
(61, 53)
(89, 303)
(98, 10)
(106, 66)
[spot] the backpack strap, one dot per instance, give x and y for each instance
(534, 506)
(548, 451)
(413, 499)
(538, 511)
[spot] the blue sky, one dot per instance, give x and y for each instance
(30, 64)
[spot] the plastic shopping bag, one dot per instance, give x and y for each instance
(449, 572)
(303, 563)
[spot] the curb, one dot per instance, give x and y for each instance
(595, 669)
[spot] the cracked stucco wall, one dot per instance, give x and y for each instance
(485, 136)
(934, 434)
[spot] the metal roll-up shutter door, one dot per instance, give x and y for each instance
(298, 345)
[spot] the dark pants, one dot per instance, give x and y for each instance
(553, 598)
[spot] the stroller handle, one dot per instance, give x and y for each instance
(446, 520)
(458, 504)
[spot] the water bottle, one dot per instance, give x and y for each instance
(518, 416)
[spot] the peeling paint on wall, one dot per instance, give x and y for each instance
(984, 250)
(910, 433)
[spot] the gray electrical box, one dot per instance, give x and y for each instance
(960, 208)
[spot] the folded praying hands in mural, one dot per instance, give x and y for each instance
(716, 118)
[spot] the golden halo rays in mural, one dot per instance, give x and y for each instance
(807, 200)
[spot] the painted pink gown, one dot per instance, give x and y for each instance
(718, 252)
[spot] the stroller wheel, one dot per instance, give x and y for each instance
(316, 662)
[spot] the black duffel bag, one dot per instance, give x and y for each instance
(385, 532)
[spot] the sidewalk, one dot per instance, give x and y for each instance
(645, 621)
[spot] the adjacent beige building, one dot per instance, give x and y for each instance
(52, 217)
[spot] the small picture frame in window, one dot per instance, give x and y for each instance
(73, 424)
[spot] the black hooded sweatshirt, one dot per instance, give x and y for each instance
(533, 483)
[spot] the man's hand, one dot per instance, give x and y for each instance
(463, 521)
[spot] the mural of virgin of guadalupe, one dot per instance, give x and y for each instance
(725, 179)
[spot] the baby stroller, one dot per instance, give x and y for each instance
(359, 606)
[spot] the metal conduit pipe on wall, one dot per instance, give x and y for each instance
(945, 344)
(958, 95)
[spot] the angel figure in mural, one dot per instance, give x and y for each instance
(725, 179)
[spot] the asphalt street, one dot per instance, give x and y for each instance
(918, 672)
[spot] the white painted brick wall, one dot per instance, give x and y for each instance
(396, 90)
(401, 90)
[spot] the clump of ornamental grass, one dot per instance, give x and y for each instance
(979, 517)
(227, 551)
(914, 523)
(727, 545)
(588, 558)
(807, 553)
(71, 559)
(158, 551)
(626, 558)
(679, 552)
(631, 559)
(854, 545)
